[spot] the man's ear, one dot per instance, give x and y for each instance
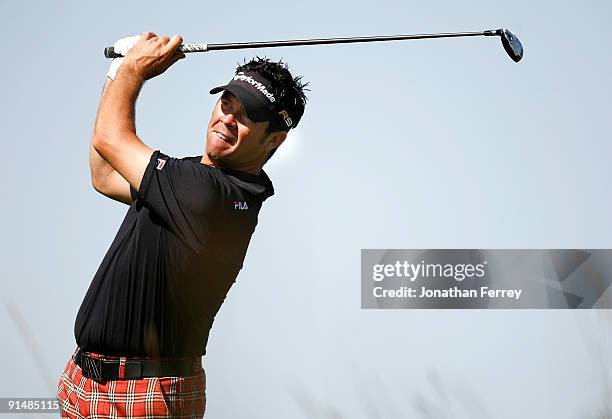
(275, 139)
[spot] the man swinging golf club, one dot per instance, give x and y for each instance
(143, 325)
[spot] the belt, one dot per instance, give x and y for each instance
(101, 369)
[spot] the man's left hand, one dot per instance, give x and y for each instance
(122, 47)
(151, 56)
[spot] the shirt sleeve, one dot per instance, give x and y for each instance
(182, 194)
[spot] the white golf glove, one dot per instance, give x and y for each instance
(122, 47)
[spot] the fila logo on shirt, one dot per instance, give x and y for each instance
(240, 205)
(160, 164)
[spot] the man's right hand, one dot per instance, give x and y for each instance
(152, 55)
(122, 47)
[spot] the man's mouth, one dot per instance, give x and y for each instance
(226, 138)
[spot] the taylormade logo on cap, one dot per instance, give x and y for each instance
(242, 77)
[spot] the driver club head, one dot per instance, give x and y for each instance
(512, 45)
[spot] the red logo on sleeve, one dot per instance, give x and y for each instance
(160, 164)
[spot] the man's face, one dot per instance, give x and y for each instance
(233, 140)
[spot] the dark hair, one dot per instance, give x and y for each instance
(289, 89)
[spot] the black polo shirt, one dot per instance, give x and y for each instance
(173, 260)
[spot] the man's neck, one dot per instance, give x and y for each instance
(255, 170)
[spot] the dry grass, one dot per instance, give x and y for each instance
(438, 400)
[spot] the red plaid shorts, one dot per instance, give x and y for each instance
(155, 397)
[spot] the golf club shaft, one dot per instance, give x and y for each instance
(188, 48)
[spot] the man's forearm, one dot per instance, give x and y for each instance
(114, 137)
(100, 169)
(115, 121)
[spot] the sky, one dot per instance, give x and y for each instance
(406, 145)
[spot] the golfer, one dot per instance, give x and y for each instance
(143, 326)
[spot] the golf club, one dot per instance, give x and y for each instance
(510, 42)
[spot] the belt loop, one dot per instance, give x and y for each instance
(122, 367)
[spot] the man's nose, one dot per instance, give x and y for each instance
(228, 119)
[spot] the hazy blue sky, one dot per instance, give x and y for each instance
(420, 144)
